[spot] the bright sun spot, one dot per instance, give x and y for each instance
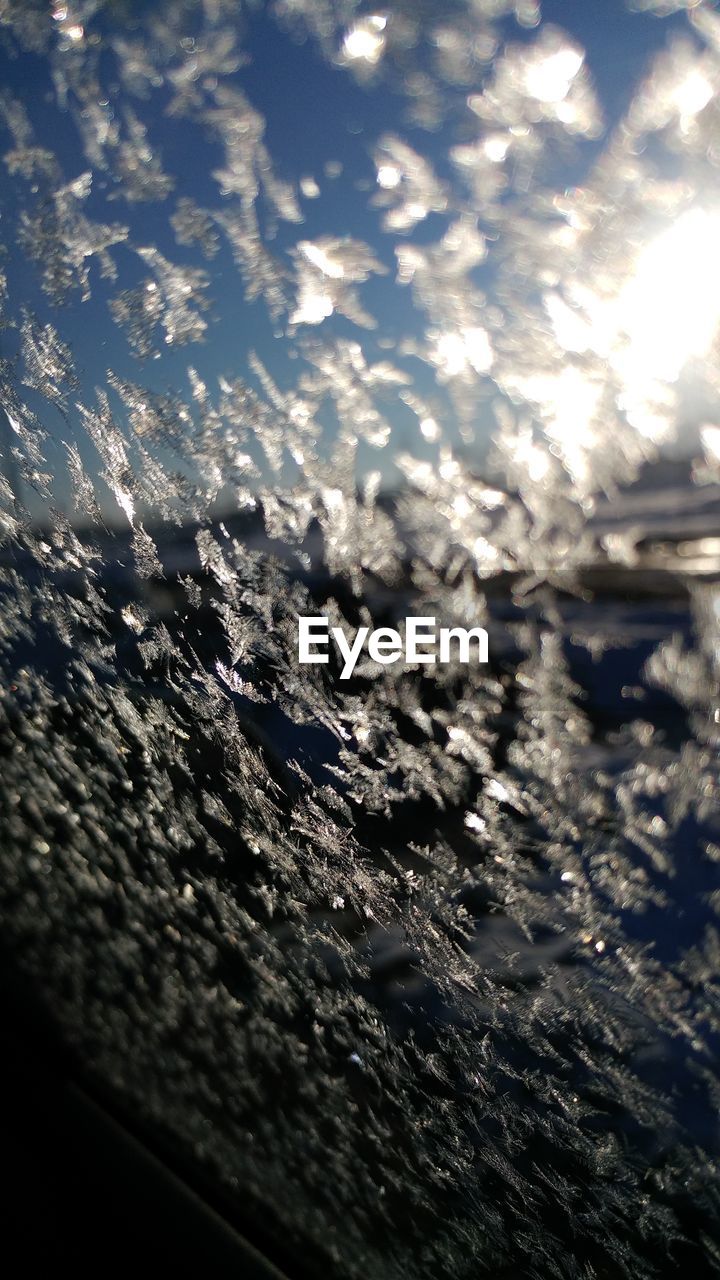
(666, 314)
(670, 307)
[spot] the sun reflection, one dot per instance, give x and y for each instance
(670, 307)
(665, 315)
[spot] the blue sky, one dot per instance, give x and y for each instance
(314, 113)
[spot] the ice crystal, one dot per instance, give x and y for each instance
(193, 225)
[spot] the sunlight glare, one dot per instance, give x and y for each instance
(670, 308)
